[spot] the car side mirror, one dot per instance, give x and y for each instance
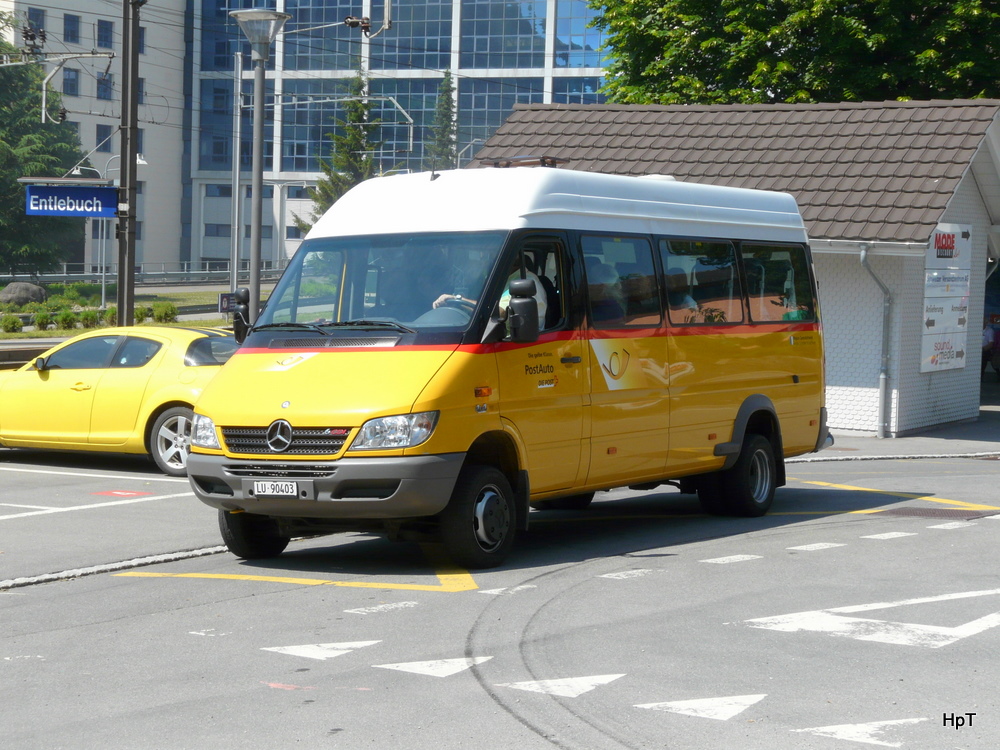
(522, 311)
(241, 314)
(41, 364)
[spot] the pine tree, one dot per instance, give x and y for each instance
(353, 154)
(441, 150)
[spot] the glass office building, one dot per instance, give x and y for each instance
(499, 54)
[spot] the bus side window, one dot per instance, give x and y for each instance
(702, 281)
(621, 282)
(778, 285)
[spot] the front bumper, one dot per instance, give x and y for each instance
(350, 488)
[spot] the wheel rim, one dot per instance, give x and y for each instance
(492, 518)
(760, 477)
(173, 442)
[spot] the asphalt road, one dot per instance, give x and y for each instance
(863, 611)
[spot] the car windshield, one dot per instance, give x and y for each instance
(387, 281)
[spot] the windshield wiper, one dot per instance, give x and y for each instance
(362, 323)
(307, 326)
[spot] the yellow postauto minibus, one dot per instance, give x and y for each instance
(446, 350)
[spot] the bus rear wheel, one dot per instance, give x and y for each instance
(478, 525)
(748, 487)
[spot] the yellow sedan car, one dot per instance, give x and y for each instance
(118, 390)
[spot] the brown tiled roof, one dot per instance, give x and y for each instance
(871, 170)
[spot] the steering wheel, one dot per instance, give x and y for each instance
(460, 303)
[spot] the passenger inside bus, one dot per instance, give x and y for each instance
(605, 294)
(683, 308)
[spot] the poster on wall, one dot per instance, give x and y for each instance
(947, 284)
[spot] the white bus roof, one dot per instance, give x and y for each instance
(546, 198)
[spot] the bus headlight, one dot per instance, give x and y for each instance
(203, 433)
(403, 431)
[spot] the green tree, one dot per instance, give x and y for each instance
(29, 148)
(744, 51)
(440, 151)
(353, 154)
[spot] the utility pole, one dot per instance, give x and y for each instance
(127, 193)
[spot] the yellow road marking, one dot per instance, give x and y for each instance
(450, 578)
(906, 495)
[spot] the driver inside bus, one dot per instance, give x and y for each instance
(515, 273)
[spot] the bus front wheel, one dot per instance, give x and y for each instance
(478, 527)
(251, 536)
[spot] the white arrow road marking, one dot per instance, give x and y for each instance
(381, 608)
(569, 687)
(626, 574)
(507, 591)
(832, 622)
(952, 525)
(866, 733)
(321, 651)
(438, 667)
(708, 708)
(731, 559)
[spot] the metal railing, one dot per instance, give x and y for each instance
(191, 272)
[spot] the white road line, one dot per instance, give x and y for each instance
(33, 507)
(890, 535)
(117, 477)
(92, 506)
(816, 547)
(731, 559)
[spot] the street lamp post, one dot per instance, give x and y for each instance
(260, 27)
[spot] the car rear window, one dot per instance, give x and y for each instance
(212, 350)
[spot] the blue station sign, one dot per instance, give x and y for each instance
(71, 200)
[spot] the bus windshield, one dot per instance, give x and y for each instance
(389, 279)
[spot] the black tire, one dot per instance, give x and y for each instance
(748, 487)
(250, 536)
(170, 440)
(573, 502)
(478, 526)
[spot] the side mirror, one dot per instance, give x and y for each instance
(522, 311)
(241, 314)
(41, 364)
